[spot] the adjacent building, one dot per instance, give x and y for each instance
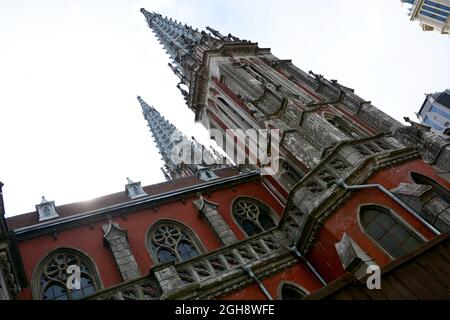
(435, 111)
(432, 14)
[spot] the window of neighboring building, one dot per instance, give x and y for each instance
(433, 16)
(292, 292)
(432, 124)
(437, 5)
(170, 240)
(253, 216)
(392, 235)
(50, 280)
(439, 12)
(439, 111)
(444, 99)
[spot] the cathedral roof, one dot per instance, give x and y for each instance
(103, 202)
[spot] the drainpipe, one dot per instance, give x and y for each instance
(297, 253)
(341, 182)
(249, 271)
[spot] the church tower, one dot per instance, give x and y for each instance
(182, 156)
(329, 137)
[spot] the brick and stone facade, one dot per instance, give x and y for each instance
(345, 164)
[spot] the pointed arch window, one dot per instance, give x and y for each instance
(233, 111)
(171, 241)
(253, 216)
(343, 126)
(387, 230)
(292, 292)
(50, 279)
(437, 189)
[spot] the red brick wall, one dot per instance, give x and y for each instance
(323, 255)
(298, 274)
(91, 241)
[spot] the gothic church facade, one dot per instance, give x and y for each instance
(355, 188)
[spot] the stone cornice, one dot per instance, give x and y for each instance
(85, 218)
(6, 267)
(328, 158)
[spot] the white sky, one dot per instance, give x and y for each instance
(70, 125)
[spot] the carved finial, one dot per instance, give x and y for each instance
(233, 38)
(417, 125)
(183, 92)
(317, 76)
(215, 33)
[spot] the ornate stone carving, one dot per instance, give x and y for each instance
(116, 238)
(9, 277)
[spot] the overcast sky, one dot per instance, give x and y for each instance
(70, 125)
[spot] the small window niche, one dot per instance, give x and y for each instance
(134, 189)
(205, 173)
(46, 210)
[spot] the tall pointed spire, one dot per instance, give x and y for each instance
(180, 41)
(177, 39)
(182, 156)
(186, 47)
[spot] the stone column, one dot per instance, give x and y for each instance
(117, 240)
(209, 211)
(168, 278)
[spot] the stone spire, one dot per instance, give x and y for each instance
(182, 156)
(178, 40)
(186, 47)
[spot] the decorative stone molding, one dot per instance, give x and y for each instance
(316, 196)
(117, 240)
(145, 288)
(46, 210)
(352, 257)
(434, 147)
(169, 279)
(209, 211)
(415, 195)
(12, 288)
(134, 189)
(421, 198)
(220, 272)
